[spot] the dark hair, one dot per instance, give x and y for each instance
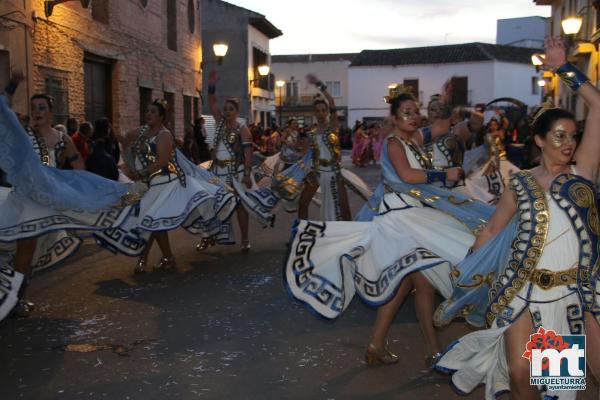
(46, 97)
(72, 125)
(85, 128)
(235, 103)
(291, 121)
(396, 101)
(320, 101)
(543, 123)
(101, 128)
(161, 105)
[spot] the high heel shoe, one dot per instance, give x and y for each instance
(166, 264)
(205, 244)
(377, 356)
(22, 309)
(140, 267)
(246, 246)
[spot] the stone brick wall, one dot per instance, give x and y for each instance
(135, 40)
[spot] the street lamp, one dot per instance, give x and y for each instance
(220, 50)
(541, 82)
(572, 25)
(280, 84)
(263, 70)
(538, 61)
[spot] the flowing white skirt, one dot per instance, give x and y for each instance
(480, 357)
(330, 261)
(200, 207)
(23, 218)
(488, 187)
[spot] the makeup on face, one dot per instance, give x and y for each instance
(559, 137)
(408, 114)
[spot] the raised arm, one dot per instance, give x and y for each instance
(587, 152)
(465, 129)
(12, 86)
(334, 122)
(212, 97)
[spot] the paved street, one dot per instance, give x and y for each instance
(221, 327)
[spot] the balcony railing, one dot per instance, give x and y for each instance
(264, 82)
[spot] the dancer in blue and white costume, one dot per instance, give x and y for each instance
(325, 158)
(486, 167)
(378, 257)
(45, 200)
(536, 263)
(180, 194)
(232, 158)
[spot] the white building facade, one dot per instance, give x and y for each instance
(480, 73)
(295, 97)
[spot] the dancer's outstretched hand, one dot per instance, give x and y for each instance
(556, 54)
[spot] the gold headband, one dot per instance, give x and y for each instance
(396, 91)
(545, 106)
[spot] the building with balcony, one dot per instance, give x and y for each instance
(480, 72)
(294, 97)
(247, 35)
(107, 60)
(582, 48)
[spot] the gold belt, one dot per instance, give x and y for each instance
(547, 279)
(225, 163)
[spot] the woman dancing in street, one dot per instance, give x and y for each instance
(536, 263)
(409, 243)
(326, 157)
(45, 201)
(180, 194)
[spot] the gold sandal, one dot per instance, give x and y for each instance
(377, 356)
(166, 264)
(246, 246)
(205, 244)
(140, 267)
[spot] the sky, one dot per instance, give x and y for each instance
(340, 26)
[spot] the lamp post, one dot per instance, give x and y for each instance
(220, 50)
(280, 84)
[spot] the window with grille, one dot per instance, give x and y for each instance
(145, 101)
(4, 68)
(460, 90)
(191, 16)
(170, 117)
(413, 86)
(535, 88)
(172, 24)
(57, 89)
(334, 88)
(187, 113)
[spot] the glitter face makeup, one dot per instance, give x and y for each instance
(407, 115)
(560, 137)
